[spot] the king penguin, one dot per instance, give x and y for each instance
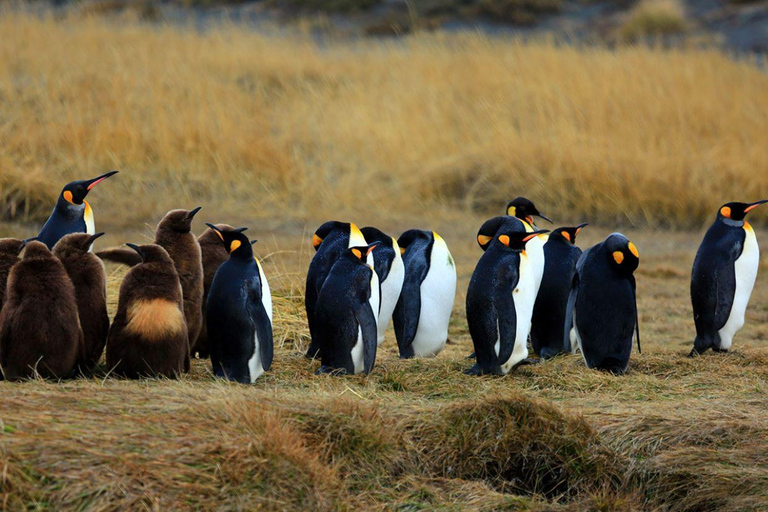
(330, 241)
(560, 257)
(723, 276)
(601, 316)
(10, 248)
(500, 302)
(72, 213)
(239, 313)
(391, 271)
(424, 308)
(346, 314)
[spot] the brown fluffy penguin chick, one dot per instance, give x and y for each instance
(39, 326)
(10, 248)
(149, 334)
(87, 274)
(214, 254)
(174, 234)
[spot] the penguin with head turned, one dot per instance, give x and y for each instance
(346, 314)
(500, 301)
(239, 313)
(10, 248)
(87, 274)
(560, 257)
(148, 336)
(214, 253)
(391, 271)
(723, 277)
(601, 316)
(330, 241)
(72, 213)
(39, 326)
(423, 310)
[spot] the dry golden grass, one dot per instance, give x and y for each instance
(654, 18)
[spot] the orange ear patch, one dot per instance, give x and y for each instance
(357, 253)
(154, 319)
(566, 235)
(504, 239)
(618, 256)
(402, 250)
(633, 250)
(483, 240)
(725, 211)
(234, 245)
(511, 211)
(316, 240)
(67, 195)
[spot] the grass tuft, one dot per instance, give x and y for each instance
(654, 18)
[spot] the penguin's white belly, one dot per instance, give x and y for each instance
(535, 250)
(746, 272)
(437, 294)
(90, 224)
(255, 366)
(358, 359)
(524, 297)
(390, 292)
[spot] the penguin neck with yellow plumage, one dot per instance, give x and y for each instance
(71, 203)
(734, 214)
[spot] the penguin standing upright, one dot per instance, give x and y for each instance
(723, 276)
(239, 313)
(560, 257)
(39, 327)
(424, 308)
(10, 248)
(330, 241)
(391, 271)
(86, 272)
(72, 213)
(601, 317)
(500, 302)
(346, 328)
(174, 234)
(214, 253)
(148, 336)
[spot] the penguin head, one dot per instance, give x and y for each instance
(152, 253)
(568, 234)
(74, 193)
(516, 240)
(179, 220)
(36, 251)
(11, 246)
(75, 244)
(362, 254)
(524, 209)
(412, 235)
(332, 226)
(235, 242)
(738, 211)
(622, 253)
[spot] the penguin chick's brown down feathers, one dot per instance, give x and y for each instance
(149, 334)
(39, 326)
(214, 254)
(87, 274)
(10, 248)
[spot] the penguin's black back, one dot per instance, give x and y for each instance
(64, 219)
(416, 260)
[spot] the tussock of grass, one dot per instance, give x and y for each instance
(24, 194)
(654, 18)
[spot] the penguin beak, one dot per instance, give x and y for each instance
(95, 181)
(754, 205)
(535, 234)
(192, 213)
(371, 248)
(544, 217)
(94, 237)
(253, 242)
(216, 230)
(137, 249)
(25, 242)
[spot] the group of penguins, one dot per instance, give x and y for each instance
(208, 296)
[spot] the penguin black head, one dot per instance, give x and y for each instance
(235, 242)
(360, 253)
(516, 240)
(333, 225)
(11, 246)
(738, 211)
(179, 220)
(152, 253)
(622, 253)
(75, 243)
(411, 236)
(372, 234)
(524, 209)
(568, 234)
(74, 193)
(36, 251)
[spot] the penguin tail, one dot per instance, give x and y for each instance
(120, 255)
(612, 365)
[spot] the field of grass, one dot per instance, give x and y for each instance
(279, 133)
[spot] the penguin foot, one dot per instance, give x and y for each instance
(526, 362)
(720, 350)
(477, 371)
(327, 370)
(471, 356)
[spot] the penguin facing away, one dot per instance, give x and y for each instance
(72, 213)
(500, 301)
(723, 276)
(423, 310)
(560, 257)
(601, 316)
(239, 313)
(346, 328)
(391, 272)
(39, 326)
(330, 241)
(86, 271)
(10, 248)
(148, 336)
(214, 253)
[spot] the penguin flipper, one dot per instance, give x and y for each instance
(507, 322)
(261, 324)
(367, 321)
(120, 255)
(569, 309)
(406, 315)
(637, 313)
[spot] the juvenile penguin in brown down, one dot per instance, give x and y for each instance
(10, 248)
(214, 254)
(87, 274)
(149, 334)
(39, 326)
(174, 234)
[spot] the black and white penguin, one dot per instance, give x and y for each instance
(239, 313)
(346, 330)
(330, 240)
(72, 213)
(560, 257)
(424, 308)
(500, 301)
(391, 271)
(723, 276)
(601, 317)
